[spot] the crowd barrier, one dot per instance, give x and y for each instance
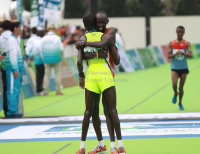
(130, 61)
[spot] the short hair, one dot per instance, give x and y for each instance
(34, 30)
(6, 25)
(89, 21)
(181, 27)
(13, 25)
(102, 12)
(40, 33)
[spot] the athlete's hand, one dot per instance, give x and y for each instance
(16, 74)
(102, 54)
(79, 44)
(1, 57)
(82, 82)
(179, 52)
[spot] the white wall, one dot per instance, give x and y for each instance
(163, 29)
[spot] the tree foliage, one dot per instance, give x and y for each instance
(121, 8)
(188, 7)
(75, 8)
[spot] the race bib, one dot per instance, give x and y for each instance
(178, 57)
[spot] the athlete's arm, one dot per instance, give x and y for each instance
(103, 43)
(170, 55)
(101, 54)
(79, 62)
(114, 52)
(80, 68)
(189, 54)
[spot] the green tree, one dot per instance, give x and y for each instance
(27, 5)
(137, 8)
(75, 8)
(191, 7)
(120, 8)
(114, 8)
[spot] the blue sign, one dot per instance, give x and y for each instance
(19, 10)
(40, 15)
(52, 4)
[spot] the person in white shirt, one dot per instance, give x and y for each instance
(14, 68)
(33, 50)
(51, 47)
(6, 25)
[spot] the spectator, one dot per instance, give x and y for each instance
(119, 42)
(14, 68)
(29, 45)
(51, 47)
(6, 33)
(36, 53)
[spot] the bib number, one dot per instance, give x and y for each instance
(178, 57)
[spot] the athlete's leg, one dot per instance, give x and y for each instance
(110, 95)
(108, 119)
(182, 82)
(89, 100)
(175, 77)
(96, 119)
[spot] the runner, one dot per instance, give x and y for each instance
(179, 51)
(96, 82)
(101, 22)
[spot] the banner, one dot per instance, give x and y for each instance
(67, 77)
(40, 15)
(52, 9)
(146, 58)
(73, 68)
(194, 51)
(160, 55)
(124, 62)
(34, 13)
(1, 93)
(135, 59)
(19, 10)
(165, 52)
(198, 49)
(154, 55)
(27, 85)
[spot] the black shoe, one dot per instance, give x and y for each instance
(13, 115)
(17, 115)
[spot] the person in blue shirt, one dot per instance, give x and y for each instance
(14, 68)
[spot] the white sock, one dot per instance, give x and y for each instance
(120, 144)
(82, 145)
(101, 143)
(112, 144)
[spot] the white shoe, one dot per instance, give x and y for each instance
(40, 93)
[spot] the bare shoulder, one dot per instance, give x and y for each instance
(111, 30)
(188, 43)
(170, 44)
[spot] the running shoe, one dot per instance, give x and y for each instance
(81, 151)
(99, 150)
(181, 106)
(121, 150)
(113, 151)
(174, 99)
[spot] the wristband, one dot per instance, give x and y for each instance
(97, 54)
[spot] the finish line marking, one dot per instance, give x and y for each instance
(122, 117)
(130, 130)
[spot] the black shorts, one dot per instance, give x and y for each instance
(180, 72)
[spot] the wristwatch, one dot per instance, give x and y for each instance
(82, 43)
